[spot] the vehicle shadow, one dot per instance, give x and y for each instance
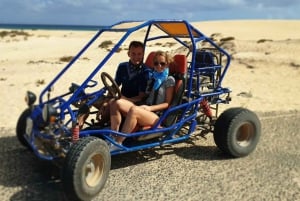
(188, 150)
(134, 158)
(24, 177)
(203, 152)
(27, 178)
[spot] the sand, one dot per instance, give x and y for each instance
(264, 74)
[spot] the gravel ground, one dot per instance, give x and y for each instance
(194, 170)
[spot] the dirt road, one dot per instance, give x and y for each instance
(195, 170)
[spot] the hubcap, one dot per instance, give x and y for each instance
(245, 134)
(94, 170)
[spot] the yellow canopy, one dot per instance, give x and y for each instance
(176, 29)
(171, 28)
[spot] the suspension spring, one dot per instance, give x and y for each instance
(206, 108)
(75, 133)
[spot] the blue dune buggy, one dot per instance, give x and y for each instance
(50, 128)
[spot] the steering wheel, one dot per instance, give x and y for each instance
(113, 89)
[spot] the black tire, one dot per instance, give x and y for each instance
(86, 168)
(21, 127)
(237, 131)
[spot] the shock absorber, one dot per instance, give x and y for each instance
(206, 109)
(75, 133)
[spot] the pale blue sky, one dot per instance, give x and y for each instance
(106, 12)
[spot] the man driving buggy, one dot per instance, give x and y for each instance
(132, 76)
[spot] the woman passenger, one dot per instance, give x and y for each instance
(159, 99)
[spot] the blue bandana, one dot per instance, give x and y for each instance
(159, 77)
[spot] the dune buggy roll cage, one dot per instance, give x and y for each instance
(187, 112)
(176, 29)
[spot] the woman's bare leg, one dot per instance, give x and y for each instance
(117, 108)
(140, 116)
(115, 115)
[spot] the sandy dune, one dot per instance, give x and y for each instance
(264, 74)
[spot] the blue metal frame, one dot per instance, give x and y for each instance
(188, 110)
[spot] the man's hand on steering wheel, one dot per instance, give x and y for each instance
(112, 89)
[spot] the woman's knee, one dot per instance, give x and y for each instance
(114, 104)
(134, 110)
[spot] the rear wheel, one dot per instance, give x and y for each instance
(86, 168)
(237, 131)
(21, 127)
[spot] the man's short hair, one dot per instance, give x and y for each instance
(136, 44)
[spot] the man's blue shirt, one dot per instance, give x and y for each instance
(132, 79)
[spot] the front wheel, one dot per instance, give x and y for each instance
(86, 168)
(237, 131)
(21, 127)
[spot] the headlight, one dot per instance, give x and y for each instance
(30, 98)
(49, 113)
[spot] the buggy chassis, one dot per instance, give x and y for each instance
(50, 129)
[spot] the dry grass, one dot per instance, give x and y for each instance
(105, 44)
(66, 58)
(14, 33)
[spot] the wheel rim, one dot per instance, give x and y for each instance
(94, 170)
(245, 134)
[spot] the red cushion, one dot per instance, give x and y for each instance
(179, 65)
(149, 60)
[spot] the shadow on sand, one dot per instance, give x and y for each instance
(30, 178)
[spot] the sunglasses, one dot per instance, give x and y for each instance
(159, 63)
